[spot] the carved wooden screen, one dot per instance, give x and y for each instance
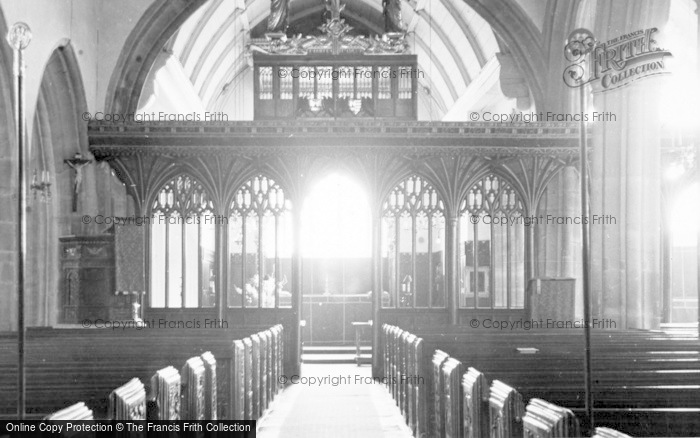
(413, 246)
(259, 247)
(492, 246)
(182, 242)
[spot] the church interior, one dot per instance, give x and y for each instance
(390, 218)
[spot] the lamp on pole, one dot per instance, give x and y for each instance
(19, 37)
(579, 45)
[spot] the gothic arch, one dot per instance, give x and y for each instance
(59, 133)
(160, 21)
(163, 19)
(521, 37)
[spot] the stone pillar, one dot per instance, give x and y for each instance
(558, 247)
(294, 346)
(452, 267)
(377, 347)
(626, 184)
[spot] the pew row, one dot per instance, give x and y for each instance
(78, 368)
(439, 369)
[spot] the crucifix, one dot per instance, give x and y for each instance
(77, 163)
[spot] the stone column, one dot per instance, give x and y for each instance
(625, 183)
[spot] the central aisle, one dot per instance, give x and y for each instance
(355, 407)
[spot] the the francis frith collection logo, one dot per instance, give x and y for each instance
(614, 63)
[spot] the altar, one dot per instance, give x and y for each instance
(329, 317)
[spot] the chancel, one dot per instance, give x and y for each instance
(383, 218)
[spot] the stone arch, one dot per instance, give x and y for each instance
(163, 19)
(58, 133)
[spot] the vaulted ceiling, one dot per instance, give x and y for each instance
(452, 42)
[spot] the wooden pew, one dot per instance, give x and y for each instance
(77, 412)
(193, 394)
(128, 402)
(505, 411)
(64, 365)
(239, 388)
(249, 386)
(604, 432)
(210, 385)
(475, 406)
(438, 412)
(622, 380)
(644, 380)
(546, 420)
(452, 397)
(165, 388)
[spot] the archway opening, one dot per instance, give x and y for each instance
(336, 242)
(684, 216)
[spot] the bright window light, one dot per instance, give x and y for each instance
(685, 217)
(336, 220)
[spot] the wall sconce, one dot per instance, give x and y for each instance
(42, 186)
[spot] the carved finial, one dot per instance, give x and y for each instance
(335, 8)
(393, 20)
(278, 20)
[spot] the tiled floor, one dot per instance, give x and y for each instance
(354, 407)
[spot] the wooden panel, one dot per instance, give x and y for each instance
(452, 395)
(193, 387)
(505, 411)
(78, 412)
(475, 406)
(210, 386)
(438, 411)
(165, 385)
(128, 402)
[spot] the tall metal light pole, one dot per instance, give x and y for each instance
(697, 162)
(19, 37)
(580, 43)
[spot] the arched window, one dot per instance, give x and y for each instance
(492, 246)
(259, 246)
(183, 236)
(413, 246)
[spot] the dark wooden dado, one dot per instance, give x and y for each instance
(87, 280)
